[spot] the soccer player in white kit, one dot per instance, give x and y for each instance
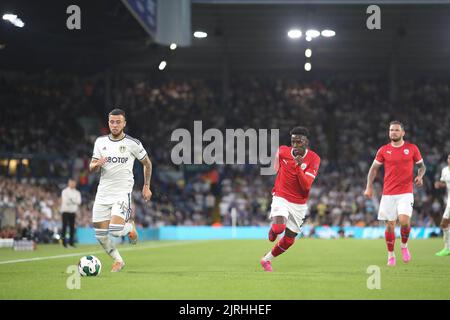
(397, 201)
(114, 156)
(445, 182)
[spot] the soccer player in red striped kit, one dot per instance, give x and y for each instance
(397, 201)
(297, 167)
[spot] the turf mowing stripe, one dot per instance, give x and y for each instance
(95, 252)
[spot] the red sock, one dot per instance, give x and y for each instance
(404, 231)
(390, 240)
(278, 228)
(282, 245)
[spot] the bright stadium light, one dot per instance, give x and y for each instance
(9, 17)
(162, 65)
(328, 33)
(19, 23)
(13, 19)
(308, 66)
(312, 33)
(173, 46)
(308, 38)
(200, 34)
(294, 33)
(308, 53)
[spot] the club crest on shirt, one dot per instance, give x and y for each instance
(406, 151)
(303, 166)
(122, 149)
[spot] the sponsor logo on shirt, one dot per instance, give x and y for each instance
(117, 159)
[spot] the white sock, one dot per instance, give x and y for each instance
(115, 230)
(115, 254)
(120, 230)
(107, 244)
(446, 238)
(127, 228)
(268, 257)
(391, 254)
(404, 245)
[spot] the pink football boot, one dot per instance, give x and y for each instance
(405, 255)
(391, 261)
(267, 266)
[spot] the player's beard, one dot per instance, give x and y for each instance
(396, 139)
(116, 135)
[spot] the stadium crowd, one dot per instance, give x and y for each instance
(55, 123)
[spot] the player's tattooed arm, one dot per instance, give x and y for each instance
(147, 164)
(420, 173)
(96, 164)
(147, 170)
(422, 169)
(373, 171)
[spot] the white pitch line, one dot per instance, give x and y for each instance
(99, 251)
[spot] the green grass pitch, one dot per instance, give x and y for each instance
(230, 270)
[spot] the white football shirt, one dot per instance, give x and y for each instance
(116, 177)
(445, 177)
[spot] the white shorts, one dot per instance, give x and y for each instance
(447, 212)
(393, 205)
(293, 212)
(120, 206)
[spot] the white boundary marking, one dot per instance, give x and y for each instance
(172, 244)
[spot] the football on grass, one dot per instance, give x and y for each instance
(89, 266)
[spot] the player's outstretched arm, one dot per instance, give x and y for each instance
(373, 171)
(147, 164)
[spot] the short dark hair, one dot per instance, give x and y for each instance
(397, 122)
(300, 131)
(117, 112)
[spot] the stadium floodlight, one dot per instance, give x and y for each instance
(312, 33)
(308, 66)
(308, 53)
(308, 38)
(294, 33)
(173, 46)
(13, 19)
(162, 65)
(19, 23)
(328, 33)
(9, 17)
(200, 34)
